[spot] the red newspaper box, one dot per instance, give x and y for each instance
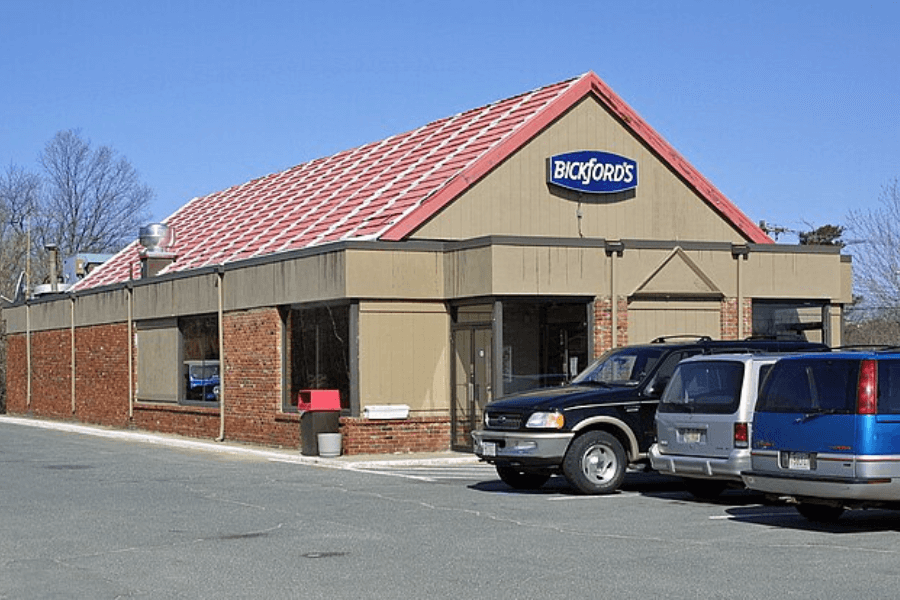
(319, 400)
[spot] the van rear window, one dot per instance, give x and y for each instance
(889, 387)
(712, 387)
(810, 385)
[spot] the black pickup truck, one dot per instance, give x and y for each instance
(593, 428)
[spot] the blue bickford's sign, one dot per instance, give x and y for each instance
(592, 172)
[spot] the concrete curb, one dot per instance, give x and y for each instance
(289, 456)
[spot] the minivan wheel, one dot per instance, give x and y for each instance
(820, 513)
(704, 489)
(521, 480)
(595, 463)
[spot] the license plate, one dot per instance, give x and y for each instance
(691, 436)
(799, 461)
(489, 448)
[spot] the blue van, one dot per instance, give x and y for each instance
(826, 433)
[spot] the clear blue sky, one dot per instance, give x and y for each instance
(789, 107)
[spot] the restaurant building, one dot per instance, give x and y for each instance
(419, 276)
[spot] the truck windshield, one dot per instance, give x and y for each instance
(622, 366)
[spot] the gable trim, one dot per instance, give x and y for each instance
(712, 290)
(588, 84)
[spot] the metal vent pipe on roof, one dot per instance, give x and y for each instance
(156, 237)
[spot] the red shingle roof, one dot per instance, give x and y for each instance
(387, 189)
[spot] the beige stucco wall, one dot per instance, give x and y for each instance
(514, 199)
(404, 355)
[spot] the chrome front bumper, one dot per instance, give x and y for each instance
(513, 446)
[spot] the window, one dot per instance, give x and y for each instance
(545, 344)
(200, 358)
(712, 387)
(889, 387)
(317, 352)
(808, 385)
(178, 360)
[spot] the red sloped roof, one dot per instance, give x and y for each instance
(386, 190)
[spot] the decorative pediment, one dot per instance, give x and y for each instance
(678, 276)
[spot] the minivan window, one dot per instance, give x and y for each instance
(889, 387)
(810, 385)
(704, 387)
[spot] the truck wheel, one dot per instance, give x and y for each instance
(595, 463)
(521, 480)
(820, 513)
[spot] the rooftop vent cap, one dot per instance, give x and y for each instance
(156, 237)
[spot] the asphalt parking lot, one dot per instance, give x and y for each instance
(99, 514)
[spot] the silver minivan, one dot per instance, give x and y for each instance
(703, 420)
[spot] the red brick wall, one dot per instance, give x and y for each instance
(253, 380)
(416, 434)
(603, 324)
(16, 375)
(729, 318)
(51, 392)
(252, 375)
(101, 374)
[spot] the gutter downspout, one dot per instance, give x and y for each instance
(740, 252)
(130, 289)
(614, 249)
(221, 286)
(72, 348)
(27, 355)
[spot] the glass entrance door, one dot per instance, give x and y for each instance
(471, 381)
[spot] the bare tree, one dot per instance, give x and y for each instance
(876, 264)
(19, 196)
(94, 200)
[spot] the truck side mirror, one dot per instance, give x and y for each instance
(657, 387)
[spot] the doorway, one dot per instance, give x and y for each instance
(472, 374)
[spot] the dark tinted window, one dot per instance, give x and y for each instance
(704, 387)
(763, 373)
(889, 387)
(809, 385)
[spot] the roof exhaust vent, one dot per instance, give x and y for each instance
(155, 255)
(156, 237)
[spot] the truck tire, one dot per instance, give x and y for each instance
(595, 463)
(521, 480)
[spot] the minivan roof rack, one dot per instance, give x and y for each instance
(668, 338)
(864, 347)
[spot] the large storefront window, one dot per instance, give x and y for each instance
(543, 344)
(317, 352)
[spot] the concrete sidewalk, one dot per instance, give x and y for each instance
(359, 461)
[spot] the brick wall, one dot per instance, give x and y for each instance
(416, 434)
(101, 374)
(252, 379)
(16, 375)
(51, 392)
(603, 324)
(729, 318)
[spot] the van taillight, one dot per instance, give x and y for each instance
(867, 393)
(741, 435)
